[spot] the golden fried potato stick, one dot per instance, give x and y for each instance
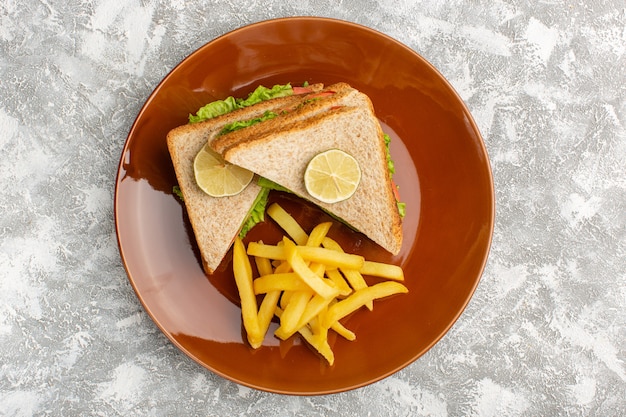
(330, 258)
(242, 271)
(314, 307)
(291, 314)
(274, 252)
(310, 284)
(287, 281)
(337, 326)
(267, 311)
(341, 330)
(282, 267)
(318, 269)
(322, 347)
(352, 275)
(317, 284)
(382, 270)
(335, 276)
(360, 298)
(320, 332)
(270, 301)
(318, 234)
(287, 223)
(357, 281)
(285, 298)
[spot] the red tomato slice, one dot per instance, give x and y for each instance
(301, 90)
(321, 94)
(396, 192)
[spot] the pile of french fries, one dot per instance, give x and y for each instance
(308, 282)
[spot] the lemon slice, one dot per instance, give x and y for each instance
(332, 176)
(219, 178)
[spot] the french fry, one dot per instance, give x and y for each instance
(320, 335)
(321, 347)
(263, 265)
(308, 282)
(313, 308)
(319, 339)
(270, 301)
(287, 223)
(287, 281)
(335, 276)
(353, 276)
(242, 270)
(292, 313)
(315, 323)
(318, 234)
(313, 280)
(267, 310)
(318, 269)
(361, 297)
(262, 250)
(285, 298)
(341, 330)
(282, 267)
(330, 258)
(382, 270)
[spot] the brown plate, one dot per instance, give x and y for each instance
(442, 169)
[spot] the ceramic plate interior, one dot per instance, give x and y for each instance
(442, 170)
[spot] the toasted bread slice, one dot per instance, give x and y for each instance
(283, 155)
(336, 95)
(215, 221)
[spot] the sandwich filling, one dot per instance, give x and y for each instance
(392, 170)
(261, 93)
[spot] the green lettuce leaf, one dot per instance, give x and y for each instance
(401, 209)
(392, 170)
(219, 107)
(177, 192)
(271, 185)
(257, 212)
(214, 109)
(262, 93)
(390, 165)
(240, 124)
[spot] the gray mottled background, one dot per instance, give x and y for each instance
(545, 333)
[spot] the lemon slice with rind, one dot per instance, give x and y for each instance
(219, 178)
(332, 176)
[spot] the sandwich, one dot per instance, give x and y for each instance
(274, 133)
(339, 117)
(217, 221)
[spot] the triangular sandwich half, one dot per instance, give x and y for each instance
(216, 221)
(282, 155)
(319, 102)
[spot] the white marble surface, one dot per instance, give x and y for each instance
(545, 333)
